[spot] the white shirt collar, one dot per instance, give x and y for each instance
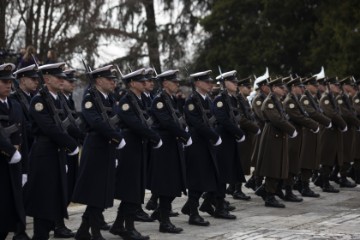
(147, 94)
(104, 94)
(4, 100)
(67, 96)
(55, 96)
(203, 96)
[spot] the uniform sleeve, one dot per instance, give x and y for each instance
(96, 122)
(248, 124)
(161, 113)
(330, 112)
(41, 115)
(194, 119)
(273, 116)
(6, 149)
(128, 115)
(222, 116)
(297, 117)
(313, 114)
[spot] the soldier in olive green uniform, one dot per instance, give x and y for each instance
(263, 90)
(331, 142)
(299, 119)
(309, 154)
(349, 115)
(354, 171)
(273, 162)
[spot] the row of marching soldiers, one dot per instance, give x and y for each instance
(292, 129)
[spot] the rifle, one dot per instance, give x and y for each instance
(208, 122)
(147, 122)
(332, 98)
(6, 132)
(243, 106)
(98, 102)
(224, 93)
(346, 100)
(54, 112)
(74, 121)
(312, 101)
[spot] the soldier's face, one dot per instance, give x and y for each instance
(68, 86)
(334, 88)
(245, 90)
(203, 86)
(231, 86)
(5, 88)
(171, 86)
(149, 85)
(30, 84)
(296, 90)
(279, 90)
(265, 89)
(312, 88)
(107, 84)
(54, 83)
(321, 88)
(139, 86)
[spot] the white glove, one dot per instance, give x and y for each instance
(316, 131)
(188, 143)
(258, 133)
(219, 141)
(24, 179)
(76, 151)
(330, 125)
(294, 134)
(345, 129)
(66, 168)
(186, 129)
(116, 163)
(160, 143)
(121, 144)
(241, 140)
(15, 158)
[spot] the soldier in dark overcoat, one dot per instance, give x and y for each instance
(95, 186)
(131, 170)
(167, 164)
(12, 212)
(46, 190)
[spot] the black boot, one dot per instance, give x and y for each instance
(290, 196)
(227, 206)
(351, 172)
(195, 218)
(357, 176)
(152, 204)
(230, 189)
(319, 181)
(307, 192)
(315, 175)
(327, 187)
(238, 193)
(279, 191)
(131, 233)
(156, 214)
(261, 192)
(142, 216)
(221, 212)
(334, 175)
(165, 224)
(186, 208)
(258, 182)
(251, 183)
(298, 185)
(61, 231)
(118, 226)
(83, 231)
(96, 234)
(270, 201)
(172, 213)
(206, 206)
(344, 182)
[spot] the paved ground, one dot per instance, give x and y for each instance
(332, 216)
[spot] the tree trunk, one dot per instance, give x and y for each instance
(152, 35)
(3, 4)
(29, 25)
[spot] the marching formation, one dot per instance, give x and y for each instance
(289, 130)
